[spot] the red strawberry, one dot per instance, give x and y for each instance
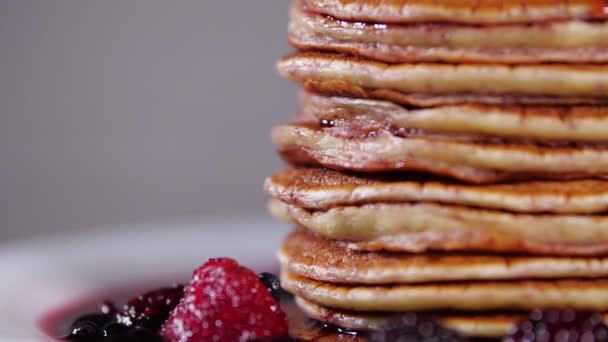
(225, 302)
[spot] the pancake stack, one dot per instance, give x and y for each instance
(449, 157)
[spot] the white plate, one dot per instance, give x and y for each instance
(42, 276)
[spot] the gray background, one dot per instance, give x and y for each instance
(119, 111)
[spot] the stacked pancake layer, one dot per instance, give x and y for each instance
(447, 158)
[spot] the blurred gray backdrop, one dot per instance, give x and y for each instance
(119, 111)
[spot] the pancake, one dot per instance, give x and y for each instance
(492, 325)
(312, 256)
(427, 84)
(521, 295)
(322, 189)
(463, 11)
(489, 325)
(381, 150)
(522, 123)
(562, 41)
(421, 227)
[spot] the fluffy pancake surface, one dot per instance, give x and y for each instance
(330, 73)
(562, 41)
(406, 213)
(469, 296)
(322, 189)
(523, 123)
(315, 257)
(328, 282)
(383, 150)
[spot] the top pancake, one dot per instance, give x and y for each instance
(572, 41)
(463, 11)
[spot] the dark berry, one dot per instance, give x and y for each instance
(560, 325)
(414, 328)
(225, 302)
(337, 329)
(98, 320)
(151, 309)
(84, 329)
(272, 283)
(87, 326)
(137, 335)
(113, 329)
(152, 323)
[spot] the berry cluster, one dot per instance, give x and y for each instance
(139, 321)
(414, 327)
(224, 302)
(560, 325)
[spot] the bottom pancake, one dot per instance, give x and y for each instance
(459, 296)
(490, 325)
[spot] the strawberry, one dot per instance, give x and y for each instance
(225, 302)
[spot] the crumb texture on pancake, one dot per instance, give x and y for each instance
(322, 189)
(464, 11)
(466, 296)
(320, 258)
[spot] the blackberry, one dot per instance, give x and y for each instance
(151, 309)
(87, 327)
(113, 329)
(559, 325)
(273, 284)
(136, 335)
(140, 321)
(414, 327)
